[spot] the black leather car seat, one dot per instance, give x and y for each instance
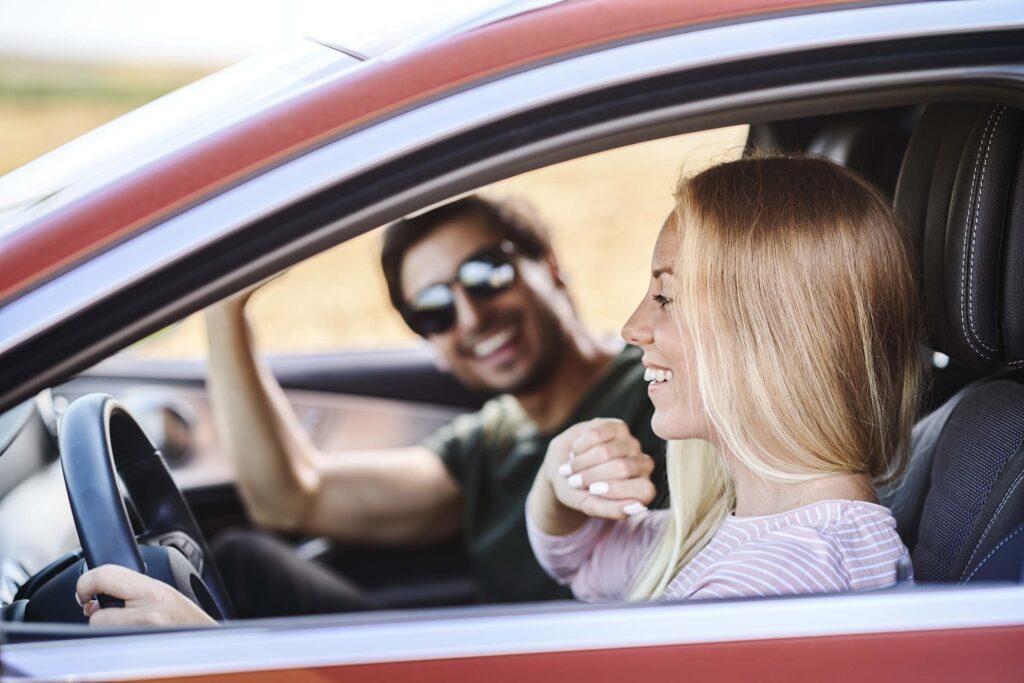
(960, 508)
(870, 142)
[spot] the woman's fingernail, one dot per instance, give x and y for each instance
(599, 488)
(565, 469)
(78, 600)
(634, 509)
(576, 481)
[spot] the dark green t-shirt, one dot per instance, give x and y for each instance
(495, 454)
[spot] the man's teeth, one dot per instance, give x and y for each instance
(652, 375)
(493, 343)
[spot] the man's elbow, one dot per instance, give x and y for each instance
(284, 508)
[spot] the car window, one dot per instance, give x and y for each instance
(603, 210)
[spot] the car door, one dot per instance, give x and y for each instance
(777, 67)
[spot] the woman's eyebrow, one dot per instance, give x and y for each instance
(658, 272)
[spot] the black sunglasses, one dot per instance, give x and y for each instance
(483, 275)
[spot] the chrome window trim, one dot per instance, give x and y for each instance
(39, 309)
(518, 630)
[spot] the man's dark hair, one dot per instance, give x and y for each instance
(515, 223)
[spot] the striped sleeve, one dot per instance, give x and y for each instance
(599, 559)
(871, 549)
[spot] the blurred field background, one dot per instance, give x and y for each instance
(604, 212)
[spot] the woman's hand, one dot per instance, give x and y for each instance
(595, 468)
(147, 602)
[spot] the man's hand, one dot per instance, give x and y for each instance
(232, 305)
(235, 304)
(597, 467)
(147, 602)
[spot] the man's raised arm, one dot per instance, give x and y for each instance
(396, 496)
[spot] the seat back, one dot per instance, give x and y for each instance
(961, 191)
(973, 499)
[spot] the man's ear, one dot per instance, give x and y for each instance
(440, 362)
(551, 261)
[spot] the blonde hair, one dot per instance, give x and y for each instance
(795, 284)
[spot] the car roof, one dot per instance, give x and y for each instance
(320, 94)
(217, 102)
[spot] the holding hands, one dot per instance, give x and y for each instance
(595, 468)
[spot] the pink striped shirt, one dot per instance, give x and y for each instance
(825, 547)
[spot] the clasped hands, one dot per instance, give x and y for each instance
(598, 468)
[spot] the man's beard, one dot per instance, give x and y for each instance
(553, 346)
(541, 373)
(553, 349)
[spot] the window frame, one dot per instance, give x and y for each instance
(428, 166)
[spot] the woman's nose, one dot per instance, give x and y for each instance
(637, 330)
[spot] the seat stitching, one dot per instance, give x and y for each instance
(995, 516)
(963, 261)
(974, 210)
(993, 552)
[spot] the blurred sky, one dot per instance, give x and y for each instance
(201, 33)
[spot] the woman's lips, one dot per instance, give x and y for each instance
(657, 378)
(652, 374)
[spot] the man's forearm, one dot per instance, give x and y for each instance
(392, 497)
(275, 475)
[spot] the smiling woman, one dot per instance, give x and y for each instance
(777, 423)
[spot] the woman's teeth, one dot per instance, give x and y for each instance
(493, 343)
(652, 375)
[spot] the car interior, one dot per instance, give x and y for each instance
(955, 172)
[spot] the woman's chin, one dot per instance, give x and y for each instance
(664, 429)
(669, 429)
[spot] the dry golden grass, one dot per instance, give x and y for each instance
(44, 105)
(29, 129)
(604, 211)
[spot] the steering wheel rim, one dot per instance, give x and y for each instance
(99, 442)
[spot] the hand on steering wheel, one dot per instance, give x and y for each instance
(100, 443)
(147, 602)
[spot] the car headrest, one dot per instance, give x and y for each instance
(961, 192)
(869, 143)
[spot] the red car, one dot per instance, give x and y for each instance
(194, 197)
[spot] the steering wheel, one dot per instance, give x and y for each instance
(100, 442)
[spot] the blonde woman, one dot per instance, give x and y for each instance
(780, 333)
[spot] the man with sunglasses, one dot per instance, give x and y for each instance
(479, 281)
